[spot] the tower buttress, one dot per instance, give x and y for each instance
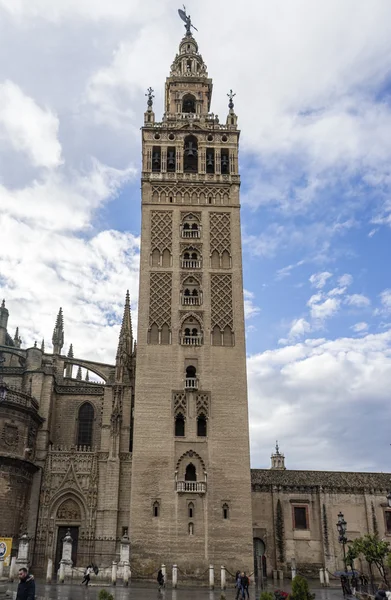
(58, 333)
(278, 460)
(125, 343)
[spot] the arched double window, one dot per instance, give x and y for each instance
(85, 425)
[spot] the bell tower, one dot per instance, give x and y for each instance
(190, 489)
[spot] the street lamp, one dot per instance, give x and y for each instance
(389, 499)
(341, 526)
(3, 387)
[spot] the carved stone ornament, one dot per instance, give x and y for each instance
(69, 511)
(10, 435)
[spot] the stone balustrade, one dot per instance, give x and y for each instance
(191, 383)
(197, 487)
(191, 263)
(191, 300)
(191, 340)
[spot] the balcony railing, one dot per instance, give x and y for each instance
(191, 383)
(191, 233)
(191, 300)
(19, 398)
(191, 340)
(198, 487)
(191, 263)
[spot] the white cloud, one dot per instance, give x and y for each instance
(357, 300)
(299, 328)
(297, 392)
(250, 309)
(345, 280)
(28, 128)
(360, 327)
(385, 299)
(319, 280)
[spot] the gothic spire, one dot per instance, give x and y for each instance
(79, 374)
(43, 345)
(58, 333)
(70, 351)
(17, 339)
(125, 343)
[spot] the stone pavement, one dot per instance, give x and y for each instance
(149, 592)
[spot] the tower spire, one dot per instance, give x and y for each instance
(125, 343)
(58, 333)
(278, 459)
(17, 338)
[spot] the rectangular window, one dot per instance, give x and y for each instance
(300, 517)
(387, 516)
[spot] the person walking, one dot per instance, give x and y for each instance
(238, 584)
(381, 592)
(26, 586)
(160, 580)
(87, 575)
(245, 585)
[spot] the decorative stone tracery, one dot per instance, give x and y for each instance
(160, 299)
(161, 230)
(221, 301)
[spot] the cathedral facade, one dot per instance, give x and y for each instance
(154, 448)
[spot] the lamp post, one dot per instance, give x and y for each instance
(389, 499)
(3, 387)
(341, 526)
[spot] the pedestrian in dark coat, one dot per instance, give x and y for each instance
(26, 587)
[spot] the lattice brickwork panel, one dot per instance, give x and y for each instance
(190, 193)
(160, 299)
(180, 403)
(221, 300)
(161, 230)
(220, 232)
(202, 404)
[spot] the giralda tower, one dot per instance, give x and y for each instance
(190, 489)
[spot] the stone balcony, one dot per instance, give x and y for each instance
(191, 383)
(191, 340)
(191, 263)
(194, 487)
(15, 396)
(191, 300)
(191, 233)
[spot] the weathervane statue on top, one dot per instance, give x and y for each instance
(187, 19)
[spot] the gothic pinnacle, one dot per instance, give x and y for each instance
(70, 351)
(43, 345)
(3, 304)
(87, 377)
(58, 333)
(79, 374)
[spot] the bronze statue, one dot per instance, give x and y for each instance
(187, 19)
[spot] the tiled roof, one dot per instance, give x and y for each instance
(266, 478)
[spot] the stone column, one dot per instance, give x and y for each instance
(23, 550)
(124, 564)
(321, 577)
(211, 577)
(223, 584)
(174, 576)
(114, 573)
(293, 568)
(49, 571)
(326, 578)
(66, 560)
(126, 575)
(164, 573)
(12, 568)
(1, 566)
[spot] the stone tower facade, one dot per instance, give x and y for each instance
(191, 489)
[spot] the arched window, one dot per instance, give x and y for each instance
(165, 335)
(190, 158)
(191, 371)
(189, 102)
(225, 511)
(191, 528)
(179, 425)
(215, 260)
(191, 473)
(85, 422)
(156, 509)
(190, 509)
(154, 334)
(201, 426)
(227, 336)
(216, 336)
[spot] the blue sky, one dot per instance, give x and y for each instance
(313, 97)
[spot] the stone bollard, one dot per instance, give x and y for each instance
(61, 574)
(174, 576)
(222, 574)
(211, 577)
(12, 569)
(49, 571)
(321, 577)
(114, 573)
(66, 560)
(275, 573)
(326, 578)
(280, 575)
(1, 566)
(164, 573)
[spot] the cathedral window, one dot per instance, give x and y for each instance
(191, 336)
(188, 101)
(154, 334)
(156, 159)
(191, 259)
(190, 227)
(227, 336)
(190, 510)
(190, 158)
(191, 294)
(156, 509)
(210, 160)
(216, 336)
(201, 426)
(191, 528)
(225, 511)
(300, 517)
(224, 162)
(191, 473)
(85, 425)
(191, 381)
(155, 258)
(387, 517)
(179, 425)
(171, 160)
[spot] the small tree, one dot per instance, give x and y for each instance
(374, 551)
(266, 596)
(280, 538)
(300, 589)
(104, 595)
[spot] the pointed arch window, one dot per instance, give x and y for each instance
(85, 425)
(191, 473)
(190, 509)
(179, 425)
(201, 426)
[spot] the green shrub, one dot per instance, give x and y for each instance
(104, 595)
(300, 590)
(266, 596)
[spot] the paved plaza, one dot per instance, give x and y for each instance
(150, 592)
